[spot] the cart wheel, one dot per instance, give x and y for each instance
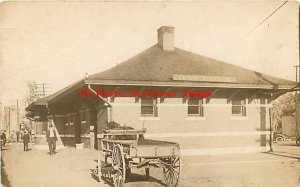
(118, 162)
(172, 172)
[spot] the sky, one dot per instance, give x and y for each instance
(58, 42)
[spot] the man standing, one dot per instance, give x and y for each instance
(51, 139)
(26, 140)
(3, 138)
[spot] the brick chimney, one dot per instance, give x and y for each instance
(166, 38)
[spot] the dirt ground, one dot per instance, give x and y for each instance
(72, 168)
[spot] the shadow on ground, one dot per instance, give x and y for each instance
(283, 154)
(132, 178)
(4, 178)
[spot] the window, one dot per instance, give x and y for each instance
(195, 107)
(148, 107)
(238, 108)
(66, 120)
(71, 120)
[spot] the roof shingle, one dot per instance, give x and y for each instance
(154, 64)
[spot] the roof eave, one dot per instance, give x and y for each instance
(189, 84)
(68, 91)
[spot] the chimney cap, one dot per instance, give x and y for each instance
(166, 28)
(166, 38)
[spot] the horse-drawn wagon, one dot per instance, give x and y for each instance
(125, 148)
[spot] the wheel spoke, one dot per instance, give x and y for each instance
(118, 160)
(177, 172)
(171, 178)
(167, 176)
(172, 171)
(168, 179)
(167, 170)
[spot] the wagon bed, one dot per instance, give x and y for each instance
(146, 148)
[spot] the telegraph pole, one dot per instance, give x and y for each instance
(44, 90)
(298, 81)
(297, 66)
(1, 116)
(9, 120)
(37, 90)
(18, 115)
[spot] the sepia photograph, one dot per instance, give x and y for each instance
(151, 93)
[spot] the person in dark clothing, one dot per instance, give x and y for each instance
(3, 139)
(26, 140)
(51, 139)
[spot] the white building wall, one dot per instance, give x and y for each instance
(217, 130)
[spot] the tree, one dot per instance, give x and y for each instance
(283, 106)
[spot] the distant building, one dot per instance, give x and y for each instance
(233, 116)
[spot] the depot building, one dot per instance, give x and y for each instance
(233, 117)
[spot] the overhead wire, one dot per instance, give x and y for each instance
(260, 23)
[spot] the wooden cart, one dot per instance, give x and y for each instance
(126, 149)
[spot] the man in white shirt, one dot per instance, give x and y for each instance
(51, 139)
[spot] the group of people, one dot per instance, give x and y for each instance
(50, 135)
(26, 140)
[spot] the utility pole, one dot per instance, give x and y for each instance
(18, 115)
(298, 81)
(9, 120)
(1, 116)
(7, 110)
(271, 133)
(37, 90)
(44, 90)
(297, 66)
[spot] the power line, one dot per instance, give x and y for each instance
(260, 23)
(37, 90)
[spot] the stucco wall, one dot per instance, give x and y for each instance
(217, 129)
(173, 117)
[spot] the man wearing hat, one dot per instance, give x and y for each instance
(51, 139)
(26, 139)
(3, 138)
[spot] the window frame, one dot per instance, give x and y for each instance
(153, 105)
(199, 106)
(242, 107)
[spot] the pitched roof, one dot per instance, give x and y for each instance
(44, 101)
(154, 64)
